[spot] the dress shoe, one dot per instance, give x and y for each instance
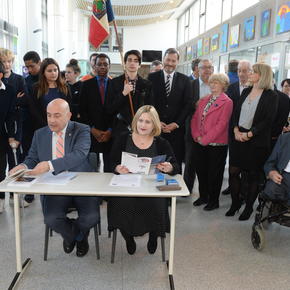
(226, 191)
(82, 247)
(233, 209)
(152, 243)
(68, 247)
(246, 214)
(130, 245)
(199, 202)
(2, 202)
(211, 206)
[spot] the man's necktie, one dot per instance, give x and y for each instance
(59, 146)
(102, 89)
(167, 86)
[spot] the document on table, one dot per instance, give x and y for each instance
(126, 180)
(59, 179)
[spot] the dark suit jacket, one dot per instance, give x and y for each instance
(263, 118)
(233, 92)
(280, 155)
(77, 145)
(117, 103)
(93, 112)
(7, 112)
(176, 107)
(281, 115)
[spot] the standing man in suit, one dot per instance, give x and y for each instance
(119, 89)
(234, 92)
(7, 115)
(93, 110)
(172, 96)
(200, 89)
(64, 146)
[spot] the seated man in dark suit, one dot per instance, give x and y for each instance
(64, 145)
(277, 169)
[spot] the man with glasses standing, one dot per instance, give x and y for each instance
(200, 89)
(93, 100)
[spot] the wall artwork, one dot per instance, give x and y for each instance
(206, 45)
(265, 22)
(199, 47)
(188, 53)
(283, 18)
(249, 28)
(224, 37)
(215, 42)
(234, 36)
(194, 51)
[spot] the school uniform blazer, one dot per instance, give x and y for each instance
(214, 128)
(93, 112)
(263, 118)
(77, 145)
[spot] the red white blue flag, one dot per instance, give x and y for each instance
(99, 26)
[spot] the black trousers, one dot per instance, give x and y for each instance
(189, 169)
(55, 210)
(3, 160)
(209, 163)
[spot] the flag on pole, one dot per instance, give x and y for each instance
(99, 26)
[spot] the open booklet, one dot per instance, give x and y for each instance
(141, 165)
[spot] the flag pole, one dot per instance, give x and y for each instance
(123, 65)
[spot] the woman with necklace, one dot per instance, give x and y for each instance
(136, 216)
(49, 87)
(250, 147)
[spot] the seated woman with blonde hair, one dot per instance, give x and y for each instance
(209, 130)
(136, 216)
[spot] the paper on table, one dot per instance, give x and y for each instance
(126, 180)
(60, 179)
(25, 181)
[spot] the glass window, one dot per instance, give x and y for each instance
(202, 6)
(213, 14)
(202, 24)
(224, 59)
(194, 20)
(181, 30)
(239, 6)
(227, 9)
(247, 54)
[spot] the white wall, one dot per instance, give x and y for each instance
(158, 36)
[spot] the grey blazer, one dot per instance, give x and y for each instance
(77, 146)
(280, 155)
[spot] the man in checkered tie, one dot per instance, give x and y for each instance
(64, 145)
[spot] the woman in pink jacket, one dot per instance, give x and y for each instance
(209, 129)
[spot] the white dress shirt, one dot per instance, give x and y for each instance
(204, 89)
(2, 87)
(171, 78)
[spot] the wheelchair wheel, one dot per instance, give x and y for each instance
(258, 238)
(266, 212)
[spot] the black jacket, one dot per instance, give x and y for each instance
(162, 145)
(118, 104)
(263, 118)
(93, 112)
(177, 106)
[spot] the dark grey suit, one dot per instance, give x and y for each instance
(278, 161)
(77, 145)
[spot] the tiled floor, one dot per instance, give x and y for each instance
(211, 252)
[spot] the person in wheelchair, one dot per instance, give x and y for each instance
(277, 170)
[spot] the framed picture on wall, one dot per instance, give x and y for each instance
(188, 53)
(249, 28)
(206, 45)
(194, 51)
(265, 22)
(283, 18)
(199, 47)
(215, 42)
(224, 37)
(234, 36)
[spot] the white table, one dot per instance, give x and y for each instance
(93, 184)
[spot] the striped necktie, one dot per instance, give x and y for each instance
(167, 86)
(59, 146)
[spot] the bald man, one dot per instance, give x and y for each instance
(64, 145)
